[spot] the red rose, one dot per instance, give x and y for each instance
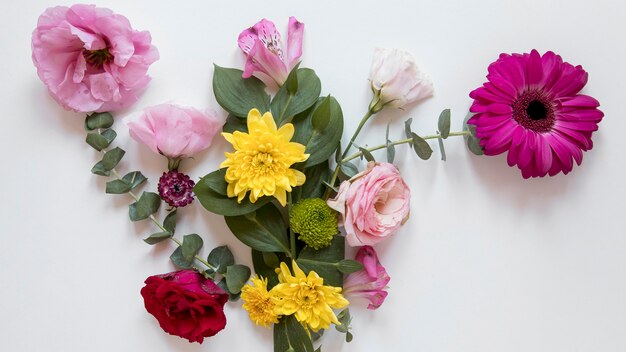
(186, 304)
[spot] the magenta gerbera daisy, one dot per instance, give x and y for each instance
(531, 108)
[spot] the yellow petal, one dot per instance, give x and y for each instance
(281, 196)
(286, 131)
(268, 119)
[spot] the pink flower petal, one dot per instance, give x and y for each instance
(295, 33)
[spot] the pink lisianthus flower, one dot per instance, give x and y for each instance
(369, 282)
(397, 80)
(90, 58)
(264, 50)
(373, 204)
(174, 131)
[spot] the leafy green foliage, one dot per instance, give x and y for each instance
(263, 230)
(179, 260)
(442, 149)
(444, 123)
(236, 276)
(157, 237)
(99, 141)
(147, 205)
(321, 115)
(221, 258)
(349, 266)
(348, 170)
(211, 192)
(238, 95)
(422, 148)
(233, 123)
(366, 154)
(313, 187)
(98, 120)
(290, 335)
(321, 144)
(473, 143)
(130, 181)
(345, 319)
(325, 262)
(265, 269)
(170, 222)
(391, 149)
(288, 101)
(191, 245)
(109, 162)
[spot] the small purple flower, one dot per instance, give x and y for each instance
(369, 282)
(175, 188)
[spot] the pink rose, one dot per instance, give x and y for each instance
(186, 304)
(264, 49)
(90, 58)
(373, 204)
(174, 131)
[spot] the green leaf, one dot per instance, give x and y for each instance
(108, 162)
(238, 95)
(319, 144)
(271, 259)
(442, 149)
(211, 192)
(422, 148)
(98, 120)
(236, 276)
(127, 183)
(292, 80)
(349, 336)
(290, 335)
(444, 123)
(170, 222)
(325, 261)
(263, 230)
(473, 143)
(264, 270)
(349, 266)
(134, 178)
(407, 128)
(348, 169)
(224, 286)
(366, 154)
(313, 187)
(179, 260)
(391, 149)
(321, 115)
(99, 141)
(286, 105)
(221, 257)
(147, 205)
(233, 123)
(191, 245)
(157, 237)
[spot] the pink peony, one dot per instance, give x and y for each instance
(531, 108)
(369, 282)
(397, 80)
(373, 204)
(264, 50)
(90, 58)
(174, 131)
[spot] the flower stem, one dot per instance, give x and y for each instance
(366, 117)
(402, 141)
(158, 223)
(292, 236)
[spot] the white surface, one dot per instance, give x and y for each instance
(488, 261)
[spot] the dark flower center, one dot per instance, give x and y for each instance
(98, 58)
(534, 110)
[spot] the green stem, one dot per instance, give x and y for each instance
(160, 226)
(366, 117)
(402, 141)
(292, 236)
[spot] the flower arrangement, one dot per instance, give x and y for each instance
(287, 188)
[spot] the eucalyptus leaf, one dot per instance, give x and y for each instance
(348, 169)
(444, 123)
(391, 149)
(109, 162)
(407, 128)
(117, 187)
(263, 230)
(442, 149)
(422, 148)
(98, 120)
(99, 141)
(473, 144)
(179, 260)
(221, 257)
(170, 222)
(157, 237)
(147, 205)
(349, 337)
(224, 286)
(286, 104)
(191, 245)
(366, 154)
(236, 276)
(239, 95)
(325, 261)
(134, 179)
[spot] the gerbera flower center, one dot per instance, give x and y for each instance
(98, 58)
(534, 110)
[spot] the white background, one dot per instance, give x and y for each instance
(487, 262)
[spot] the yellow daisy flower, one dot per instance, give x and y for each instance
(262, 159)
(307, 298)
(258, 302)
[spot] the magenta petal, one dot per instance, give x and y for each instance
(534, 72)
(580, 101)
(294, 41)
(262, 60)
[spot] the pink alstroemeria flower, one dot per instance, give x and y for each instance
(264, 50)
(369, 282)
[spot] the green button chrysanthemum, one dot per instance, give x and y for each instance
(314, 221)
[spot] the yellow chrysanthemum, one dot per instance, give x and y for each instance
(262, 159)
(258, 302)
(307, 298)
